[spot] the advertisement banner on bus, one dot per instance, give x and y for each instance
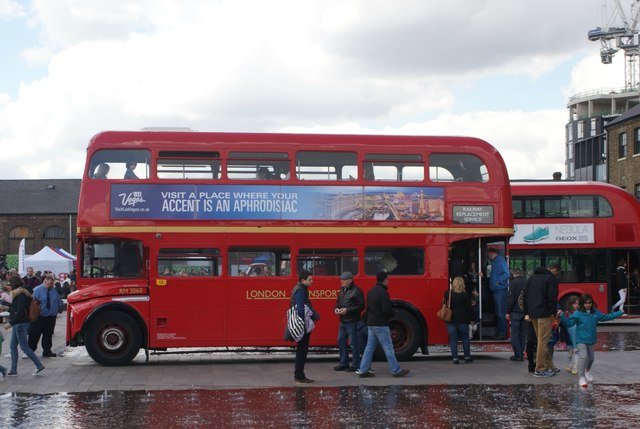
(249, 202)
(556, 233)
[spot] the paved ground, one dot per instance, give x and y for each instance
(75, 371)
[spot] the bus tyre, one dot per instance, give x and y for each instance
(113, 338)
(405, 334)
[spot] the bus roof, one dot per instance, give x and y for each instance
(112, 139)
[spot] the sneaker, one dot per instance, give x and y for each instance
(456, 361)
(49, 354)
(537, 235)
(574, 370)
(366, 374)
(3, 371)
(588, 376)
(296, 381)
(583, 383)
(38, 370)
(515, 359)
(544, 373)
(340, 368)
(12, 374)
(554, 370)
(468, 360)
(351, 369)
(401, 373)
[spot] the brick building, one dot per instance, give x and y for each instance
(43, 212)
(623, 151)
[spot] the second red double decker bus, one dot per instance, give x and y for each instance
(589, 228)
(193, 239)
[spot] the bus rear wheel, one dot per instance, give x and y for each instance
(405, 335)
(113, 338)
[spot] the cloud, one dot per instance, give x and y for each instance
(456, 37)
(11, 9)
(351, 66)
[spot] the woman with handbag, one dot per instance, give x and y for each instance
(19, 320)
(461, 315)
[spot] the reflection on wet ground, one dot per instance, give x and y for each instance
(519, 406)
(606, 341)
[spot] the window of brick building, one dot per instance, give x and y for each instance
(622, 145)
(53, 232)
(15, 237)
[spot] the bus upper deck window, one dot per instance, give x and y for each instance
(120, 164)
(393, 167)
(326, 166)
(183, 165)
(258, 166)
(457, 167)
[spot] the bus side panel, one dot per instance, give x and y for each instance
(597, 290)
(189, 312)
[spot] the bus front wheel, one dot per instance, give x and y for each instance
(113, 338)
(405, 334)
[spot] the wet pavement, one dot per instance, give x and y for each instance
(254, 390)
(438, 406)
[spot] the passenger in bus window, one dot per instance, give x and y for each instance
(282, 172)
(101, 171)
(263, 173)
(368, 173)
(130, 174)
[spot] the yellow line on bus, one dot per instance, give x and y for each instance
(296, 229)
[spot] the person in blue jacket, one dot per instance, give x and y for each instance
(499, 285)
(586, 320)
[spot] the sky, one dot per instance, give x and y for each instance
(500, 70)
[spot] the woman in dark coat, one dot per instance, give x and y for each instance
(19, 321)
(461, 316)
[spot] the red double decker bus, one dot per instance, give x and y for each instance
(194, 239)
(586, 227)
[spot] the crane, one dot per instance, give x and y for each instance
(623, 36)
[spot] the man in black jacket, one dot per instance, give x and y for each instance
(379, 311)
(540, 306)
(349, 305)
(515, 312)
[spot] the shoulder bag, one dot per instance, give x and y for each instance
(295, 324)
(445, 312)
(34, 310)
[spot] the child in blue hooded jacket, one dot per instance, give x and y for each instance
(586, 320)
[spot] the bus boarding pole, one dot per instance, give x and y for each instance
(480, 288)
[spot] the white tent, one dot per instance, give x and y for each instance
(49, 259)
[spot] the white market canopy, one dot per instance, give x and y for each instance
(49, 259)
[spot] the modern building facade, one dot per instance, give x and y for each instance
(587, 152)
